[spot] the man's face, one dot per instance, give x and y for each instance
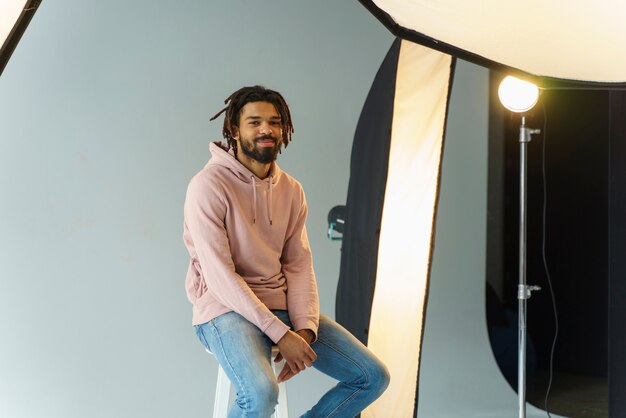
(259, 134)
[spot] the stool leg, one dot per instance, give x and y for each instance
(281, 410)
(222, 394)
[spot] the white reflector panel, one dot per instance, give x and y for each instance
(395, 331)
(10, 11)
(577, 40)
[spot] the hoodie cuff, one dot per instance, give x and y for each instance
(307, 324)
(276, 330)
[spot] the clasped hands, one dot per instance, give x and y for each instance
(295, 349)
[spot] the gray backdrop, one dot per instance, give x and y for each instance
(103, 120)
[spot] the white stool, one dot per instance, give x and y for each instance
(222, 391)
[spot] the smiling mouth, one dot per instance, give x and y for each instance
(266, 142)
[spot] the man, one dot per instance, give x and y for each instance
(251, 279)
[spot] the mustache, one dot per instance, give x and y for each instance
(263, 137)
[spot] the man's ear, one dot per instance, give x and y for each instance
(234, 131)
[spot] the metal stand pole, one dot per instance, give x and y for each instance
(523, 290)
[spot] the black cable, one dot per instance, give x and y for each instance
(545, 262)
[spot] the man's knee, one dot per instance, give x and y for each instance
(268, 392)
(374, 379)
(263, 399)
(379, 378)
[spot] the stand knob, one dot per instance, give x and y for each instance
(524, 291)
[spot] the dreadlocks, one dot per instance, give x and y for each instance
(235, 103)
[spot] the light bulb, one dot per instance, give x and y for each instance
(517, 95)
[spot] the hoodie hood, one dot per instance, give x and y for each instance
(223, 156)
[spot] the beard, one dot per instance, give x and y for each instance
(264, 155)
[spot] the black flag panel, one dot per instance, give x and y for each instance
(366, 192)
(617, 258)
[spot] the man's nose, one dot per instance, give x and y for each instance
(266, 128)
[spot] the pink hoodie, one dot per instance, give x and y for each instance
(248, 245)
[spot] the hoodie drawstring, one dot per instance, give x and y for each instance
(269, 203)
(270, 198)
(254, 199)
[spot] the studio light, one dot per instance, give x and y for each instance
(518, 95)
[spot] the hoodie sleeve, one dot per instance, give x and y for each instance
(204, 214)
(297, 262)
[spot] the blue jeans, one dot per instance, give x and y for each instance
(244, 353)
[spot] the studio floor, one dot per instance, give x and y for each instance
(573, 396)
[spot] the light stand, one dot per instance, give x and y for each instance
(520, 96)
(523, 290)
